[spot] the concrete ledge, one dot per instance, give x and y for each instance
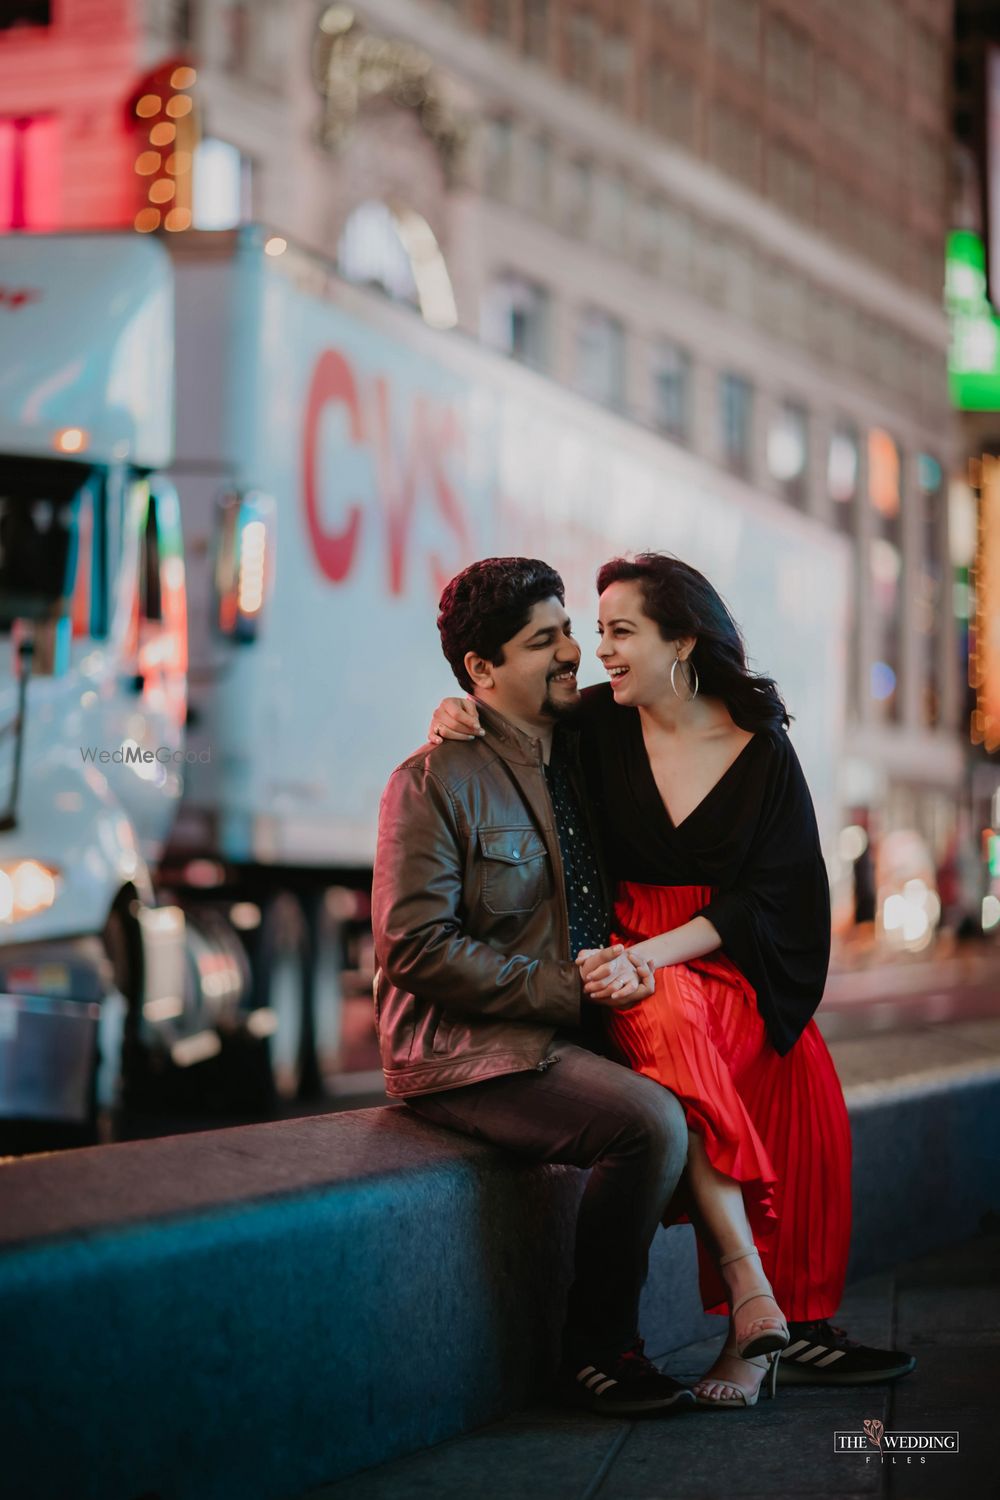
(252, 1312)
(926, 1162)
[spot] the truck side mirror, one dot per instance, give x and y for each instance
(244, 561)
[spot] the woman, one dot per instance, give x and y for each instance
(710, 832)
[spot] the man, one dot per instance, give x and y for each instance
(487, 885)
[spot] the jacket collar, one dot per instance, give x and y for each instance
(513, 743)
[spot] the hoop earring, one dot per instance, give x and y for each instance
(692, 691)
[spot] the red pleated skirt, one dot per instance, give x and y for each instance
(777, 1125)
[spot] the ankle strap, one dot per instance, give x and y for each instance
(752, 1297)
(738, 1255)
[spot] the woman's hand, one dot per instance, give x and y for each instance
(454, 719)
(611, 976)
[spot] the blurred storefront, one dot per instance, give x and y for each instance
(972, 289)
(724, 218)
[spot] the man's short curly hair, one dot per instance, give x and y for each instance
(487, 604)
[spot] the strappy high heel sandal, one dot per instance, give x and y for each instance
(746, 1395)
(763, 1335)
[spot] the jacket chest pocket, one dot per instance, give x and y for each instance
(515, 868)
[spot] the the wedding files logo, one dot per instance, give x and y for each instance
(895, 1447)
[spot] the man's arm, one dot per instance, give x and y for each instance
(419, 939)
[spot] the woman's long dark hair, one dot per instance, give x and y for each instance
(682, 602)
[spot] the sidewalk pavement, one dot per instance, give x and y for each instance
(944, 1308)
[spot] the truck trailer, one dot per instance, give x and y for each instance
(232, 487)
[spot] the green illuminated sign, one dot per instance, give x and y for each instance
(974, 355)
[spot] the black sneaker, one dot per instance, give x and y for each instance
(821, 1355)
(626, 1386)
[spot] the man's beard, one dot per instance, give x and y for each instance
(553, 710)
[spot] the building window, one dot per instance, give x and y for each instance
(842, 469)
(735, 144)
(788, 450)
(371, 252)
(398, 253)
(236, 30)
(497, 155)
(679, 237)
(928, 65)
(537, 29)
(223, 189)
(25, 13)
(600, 358)
(791, 181)
(610, 210)
(843, 477)
(271, 46)
(789, 61)
(684, 14)
(671, 373)
(538, 175)
(883, 22)
(616, 69)
(736, 28)
(516, 318)
(498, 18)
(171, 20)
(930, 162)
(577, 198)
(934, 565)
(736, 422)
(648, 232)
(669, 103)
(29, 173)
(885, 561)
(582, 49)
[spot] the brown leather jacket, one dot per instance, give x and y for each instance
(469, 913)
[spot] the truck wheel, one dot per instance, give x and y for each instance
(283, 980)
(123, 946)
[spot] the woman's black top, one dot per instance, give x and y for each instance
(753, 838)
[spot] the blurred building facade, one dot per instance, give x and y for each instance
(724, 218)
(972, 292)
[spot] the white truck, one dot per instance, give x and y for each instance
(194, 734)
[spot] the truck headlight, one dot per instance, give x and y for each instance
(26, 888)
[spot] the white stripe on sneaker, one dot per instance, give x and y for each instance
(596, 1379)
(803, 1359)
(794, 1348)
(599, 1391)
(587, 1370)
(828, 1359)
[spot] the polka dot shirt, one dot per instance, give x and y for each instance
(589, 919)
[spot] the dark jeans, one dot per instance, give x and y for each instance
(587, 1111)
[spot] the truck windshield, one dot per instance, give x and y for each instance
(37, 498)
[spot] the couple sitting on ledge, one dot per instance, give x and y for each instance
(602, 927)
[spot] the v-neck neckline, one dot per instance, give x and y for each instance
(652, 787)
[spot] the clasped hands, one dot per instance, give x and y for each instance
(615, 976)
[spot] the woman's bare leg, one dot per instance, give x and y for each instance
(722, 1217)
(722, 1221)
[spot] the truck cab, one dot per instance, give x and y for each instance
(92, 663)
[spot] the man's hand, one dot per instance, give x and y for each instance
(612, 977)
(454, 719)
